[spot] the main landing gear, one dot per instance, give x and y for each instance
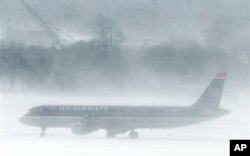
(133, 134)
(42, 134)
(110, 135)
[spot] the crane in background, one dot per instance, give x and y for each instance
(43, 24)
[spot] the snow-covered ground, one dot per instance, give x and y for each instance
(208, 138)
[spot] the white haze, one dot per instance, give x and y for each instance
(170, 52)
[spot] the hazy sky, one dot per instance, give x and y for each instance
(140, 20)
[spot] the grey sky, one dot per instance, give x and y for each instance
(139, 19)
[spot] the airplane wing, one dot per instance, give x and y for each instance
(111, 127)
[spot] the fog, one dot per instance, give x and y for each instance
(123, 52)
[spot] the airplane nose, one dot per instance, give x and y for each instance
(22, 119)
(25, 120)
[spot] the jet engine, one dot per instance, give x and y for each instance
(80, 128)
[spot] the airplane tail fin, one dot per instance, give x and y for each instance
(211, 97)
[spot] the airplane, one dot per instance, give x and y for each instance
(117, 119)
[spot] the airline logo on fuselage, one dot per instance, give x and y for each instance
(83, 108)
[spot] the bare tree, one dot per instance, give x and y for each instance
(107, 35)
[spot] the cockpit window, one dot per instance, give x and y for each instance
(36, 110)
(42, 109)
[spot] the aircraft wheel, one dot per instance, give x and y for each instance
(133, 135)
(43, 132)
(42, 135)
(110, 135)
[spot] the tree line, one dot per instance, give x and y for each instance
(104, 61)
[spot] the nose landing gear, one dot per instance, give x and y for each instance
(42, 134)
(133, 134)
